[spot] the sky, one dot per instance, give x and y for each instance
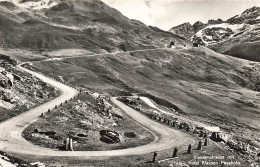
(168, 13)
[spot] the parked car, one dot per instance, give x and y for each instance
(109, 136)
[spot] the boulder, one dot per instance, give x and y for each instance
(130, 134)
(6, 83)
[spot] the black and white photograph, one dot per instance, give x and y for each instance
(129, 83)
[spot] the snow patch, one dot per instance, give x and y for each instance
(234, 27)
(53, 59)
(43, 4)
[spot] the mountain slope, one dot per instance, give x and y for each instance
(187, 30)
(85, 24)
(243, 44)
(249, 16)
(204, 85)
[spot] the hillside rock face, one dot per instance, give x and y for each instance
(218, 21)
(5, 82)
(238, 36)
(45, 25)
(20, 91)
(198, 26)
(249, 16)
(214, 33)
(185, 30)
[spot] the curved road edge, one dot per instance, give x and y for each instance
(11, 139)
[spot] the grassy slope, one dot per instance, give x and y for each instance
(248, 50)
(203, 84)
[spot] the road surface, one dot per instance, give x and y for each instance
(150, 103)
(5, 163)
(11, 139)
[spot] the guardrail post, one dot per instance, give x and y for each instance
(200, 145)
(201, 134)
(154, 156)
(70, 144)
(175, 152)
(189, 149)
(67, 140)
(206, 143)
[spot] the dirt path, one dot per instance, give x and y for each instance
(11, 139)
(101, 54)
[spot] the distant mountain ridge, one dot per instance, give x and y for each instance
(187, 30)
(238, 36)
(43, 25)
(249, 16)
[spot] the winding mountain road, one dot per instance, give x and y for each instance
(11, 139)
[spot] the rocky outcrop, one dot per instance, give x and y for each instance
(5, 83)
(185, 30)
(198, 26)
(218, 21)
(7, 97)
(249, 16)
(6, 80)
(20, 91)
